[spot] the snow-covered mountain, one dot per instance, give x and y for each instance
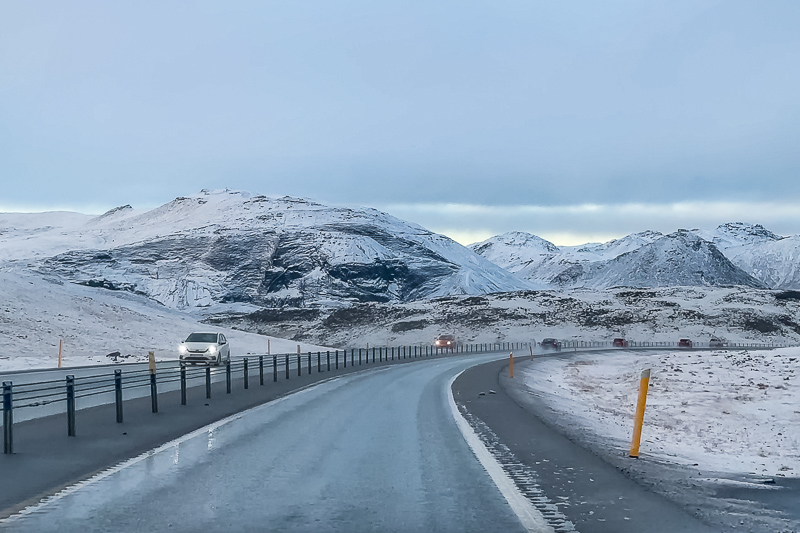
(770, 258)
(516, 251)
(231, 247)
(732, 254)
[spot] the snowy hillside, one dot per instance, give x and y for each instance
(732, 254)
(233, 248)
(94, 324)
(738, 314)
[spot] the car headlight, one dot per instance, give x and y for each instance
(212, 349)
(182, 349)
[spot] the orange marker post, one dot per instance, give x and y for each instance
(638, 418)
(60, 345)
(511, 365)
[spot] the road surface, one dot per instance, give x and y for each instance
(371, 451)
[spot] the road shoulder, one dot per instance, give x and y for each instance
(589, 492)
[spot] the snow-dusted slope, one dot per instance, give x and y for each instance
(39, 311)
(227, 246)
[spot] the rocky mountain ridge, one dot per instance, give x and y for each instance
(229, 247)
(732, 254)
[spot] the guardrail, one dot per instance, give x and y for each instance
(73, 388)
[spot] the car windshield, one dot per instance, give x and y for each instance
(446, 337)
(202, 337)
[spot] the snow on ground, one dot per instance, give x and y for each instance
(731, 411)
(36, 312)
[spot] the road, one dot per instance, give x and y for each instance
(370, 451)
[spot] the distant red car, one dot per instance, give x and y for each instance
(684, 343)
(620, 343)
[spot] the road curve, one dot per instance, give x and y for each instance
(371, 451)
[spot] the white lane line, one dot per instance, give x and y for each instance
(531, 518)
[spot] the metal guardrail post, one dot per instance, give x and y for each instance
(286, 363)
(228, 376)
(8, 419)
(70, 406)
(373, 354)
(153, 393)
(328, 355)
(260, 369)
(118, 394)
(275, 368)
(309, 363)
(336, 358)
(299, 365)
(359, 357)
(380, 354)
(183, 384)
(208, 382)
(246, 375)
(319, 362)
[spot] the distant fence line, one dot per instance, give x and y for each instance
(274, 366)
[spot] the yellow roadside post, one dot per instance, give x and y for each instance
(151, 356)
(60, 344)
(511, 365)
(638, 418)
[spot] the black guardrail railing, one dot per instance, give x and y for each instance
(73, 388)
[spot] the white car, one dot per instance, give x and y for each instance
(209, 348)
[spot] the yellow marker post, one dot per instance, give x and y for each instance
(511, 365)
(152, 360)
(638, 418)
(60, 345)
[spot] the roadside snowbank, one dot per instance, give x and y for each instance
(731, 411)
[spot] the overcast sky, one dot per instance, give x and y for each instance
(576, 121)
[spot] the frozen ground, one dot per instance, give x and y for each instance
(36, 312)
(718, 423)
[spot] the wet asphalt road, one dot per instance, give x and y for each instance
(375, 451)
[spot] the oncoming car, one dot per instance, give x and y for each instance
(684, 343)
(445, 341)
(550, 344)
(716, 343)
(209, 348)
(620, 343)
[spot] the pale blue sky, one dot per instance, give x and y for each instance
(524, 110)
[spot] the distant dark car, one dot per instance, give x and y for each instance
(445, 341)
(550, 344)
(620, 343)
(684, 343)
(716, 343)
